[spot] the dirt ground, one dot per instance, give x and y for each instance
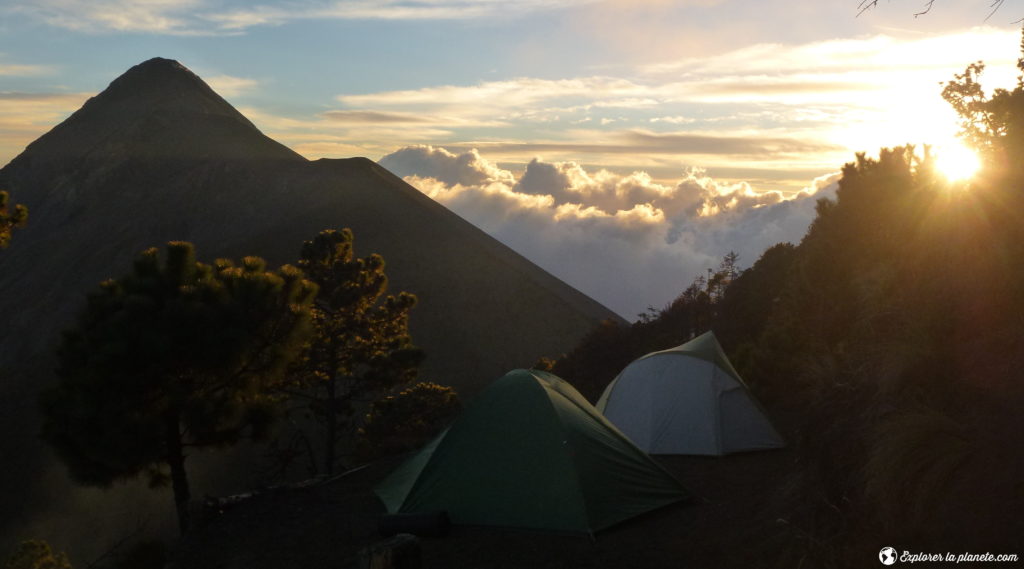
(736, 521)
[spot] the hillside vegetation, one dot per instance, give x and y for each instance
(887, 341)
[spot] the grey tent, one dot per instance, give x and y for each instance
(531, 452)
(687, 400)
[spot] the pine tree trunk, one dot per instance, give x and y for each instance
(332, 425)
(176, 461)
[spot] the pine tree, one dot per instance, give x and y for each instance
(36, 554)
(174, 355)
(406, 420)
(720, 280)
(10, 220)
(361, 345)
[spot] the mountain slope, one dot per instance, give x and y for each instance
(159, 156)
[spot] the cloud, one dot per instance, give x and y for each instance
(769, 106)
(873, 73)
(676, 144)
(229, 86)
(838, 56)
(627, 240)
(368, 117)
(26, 116)
(769, 113)
(21, 70)
(325, 136)
(511, 97)
(384, 10)
(786, 112)
(466, 169)
(674, 120)
(686, 143)
(373, 117)
(148, 16)
(224, 17)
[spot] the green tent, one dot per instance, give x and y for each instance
(531, 452)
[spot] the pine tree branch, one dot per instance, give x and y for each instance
(865, 5)
(928, 8)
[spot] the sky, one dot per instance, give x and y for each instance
(625, 146)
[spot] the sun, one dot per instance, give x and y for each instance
(956, 162)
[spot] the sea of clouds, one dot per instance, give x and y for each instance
(626, 240)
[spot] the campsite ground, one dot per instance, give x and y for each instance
(737, 520)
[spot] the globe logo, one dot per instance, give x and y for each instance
(887, 556)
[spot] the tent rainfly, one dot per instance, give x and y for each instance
(531, 452)
(687, 400)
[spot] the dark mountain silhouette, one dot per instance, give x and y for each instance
(159, 156)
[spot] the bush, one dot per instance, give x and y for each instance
(36, 554)
(406, 420)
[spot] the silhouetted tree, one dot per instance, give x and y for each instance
(609, 347)
(9, 220)
(727, 272)
(895, 334)
(174, 355)
(992, 124)
(35, 554)
(361, 346)
(892, 333)
(748, 307)
(597, 359)
(406, 420)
